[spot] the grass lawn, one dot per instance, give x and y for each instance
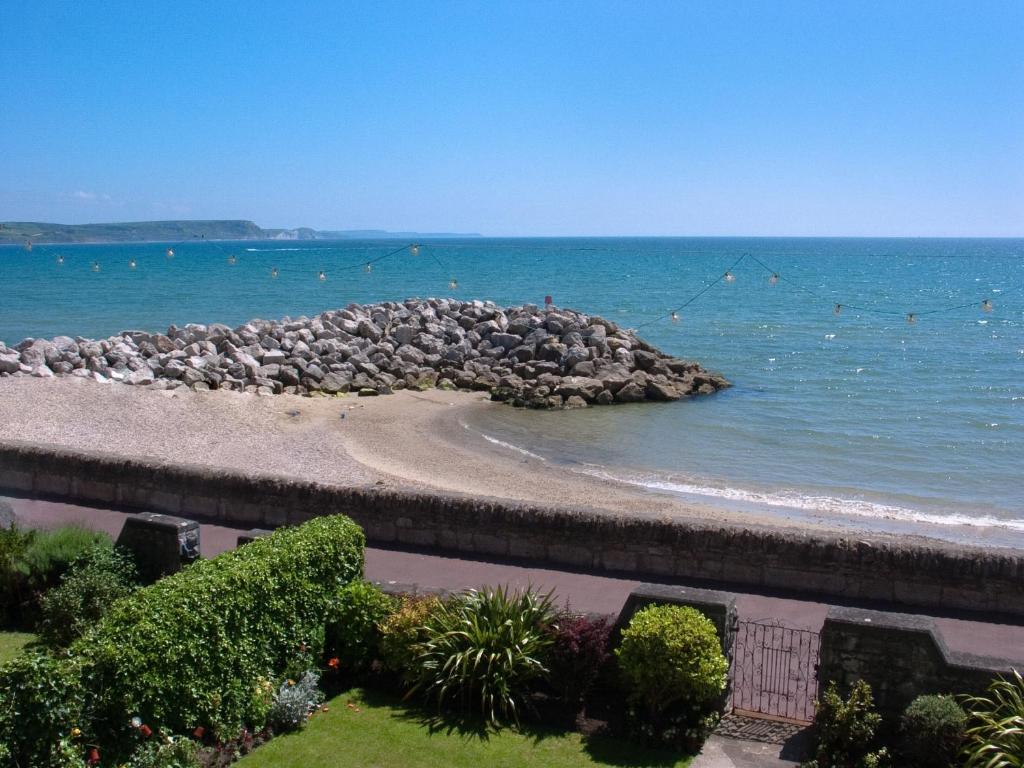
(11, 644)
(385, 734)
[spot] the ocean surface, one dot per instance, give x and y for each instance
(860, 418)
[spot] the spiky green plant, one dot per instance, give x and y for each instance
(995, 736)
(483, 650)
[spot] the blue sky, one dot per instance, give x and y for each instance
(560, 118)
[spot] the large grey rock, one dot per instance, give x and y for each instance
(10, 362)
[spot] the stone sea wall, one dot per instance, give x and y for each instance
(935, 576)
(542, 358)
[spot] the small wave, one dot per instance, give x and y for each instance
(260, 250)
(824, 505)
(503, 444)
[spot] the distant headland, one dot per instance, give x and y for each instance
(175, 231)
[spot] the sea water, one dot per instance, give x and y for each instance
(860, 418)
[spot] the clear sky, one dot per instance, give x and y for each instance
(520, 118)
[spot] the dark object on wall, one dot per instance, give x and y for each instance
(161, 544)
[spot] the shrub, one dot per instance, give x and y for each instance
(846, 729)
(90, 586)
(197, 647)
(294, 703)
(671, 654)
(51, 552)
(13, 543)
(995, 732)
(34, 561)
(41, 701)
(353, 624)
(402, 630)
(482, 651)
(931, 731)
(579, 650)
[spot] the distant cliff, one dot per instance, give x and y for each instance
(21, 232)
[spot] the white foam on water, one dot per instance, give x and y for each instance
(260, 250)
(822, 505)
(503, 444)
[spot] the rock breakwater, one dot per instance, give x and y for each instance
(525, 355)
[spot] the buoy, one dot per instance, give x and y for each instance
(132, 264)
(730, 277)
(60, 259)
(323, 276)
(273, 272)
(95, 266)
(911, 318)
(232, 260)
(28, 246)
(675, 317)
(837, 309)
(774, 279)
(414, 250)
(453, 284)
(368, 267)
(170, 253)
(986, 305)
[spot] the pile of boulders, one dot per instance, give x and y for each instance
(527, 355)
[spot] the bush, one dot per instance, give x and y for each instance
(354, 624)
(482, 651)
(13, 543)
(294, 703)
(41, 701)
(34, 561)
(671, 654)
(846, 730)
(402, 630)
(196, 648)
(995, 732)
(931, 731)
(90, 586)
(579, 650)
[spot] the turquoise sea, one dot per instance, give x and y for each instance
(859, 418)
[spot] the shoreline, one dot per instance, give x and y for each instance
(420, 441)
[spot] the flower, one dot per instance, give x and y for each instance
(198, 732)
(135, 722)
(76, 732)
(333, 663)
(291, 683)
(94, 756)
(146, 731)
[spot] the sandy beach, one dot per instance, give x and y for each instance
(409, 439)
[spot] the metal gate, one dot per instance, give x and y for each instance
(775, 671)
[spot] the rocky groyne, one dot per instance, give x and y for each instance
(525, 355)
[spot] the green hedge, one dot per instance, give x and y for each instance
(204, 646)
